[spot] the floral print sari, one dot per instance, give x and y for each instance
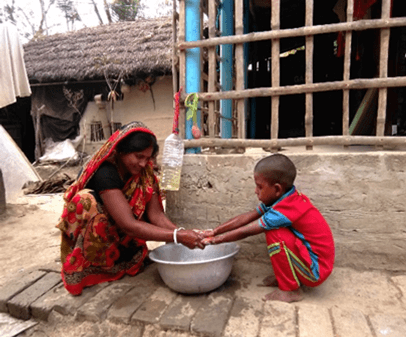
(93, 248)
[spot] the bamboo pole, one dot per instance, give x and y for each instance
(399, 81)
(174, 56)
(383, 70)
(309, 72)
(212, 80)
(347, 65)
(302, 141)
(296, 32)
(275, 26)
(239, 65)
(182, 66)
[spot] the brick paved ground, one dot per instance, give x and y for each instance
(349, 304)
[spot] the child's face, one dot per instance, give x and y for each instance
(266, 192)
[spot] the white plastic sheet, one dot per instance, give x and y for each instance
(10, 326)
(16, 168)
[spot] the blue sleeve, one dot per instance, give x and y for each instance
(273, 219)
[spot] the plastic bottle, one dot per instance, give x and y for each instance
(172, 158)
(172, 161)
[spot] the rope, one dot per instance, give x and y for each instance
(175, 127)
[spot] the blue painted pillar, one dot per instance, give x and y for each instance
(192, 33)
(226, 67)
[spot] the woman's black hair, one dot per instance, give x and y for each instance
(138, 141)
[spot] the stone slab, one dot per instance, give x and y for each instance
(350, 323)
(122, 309)
(181, 311)
(245, 317)
(388, 325)
(314, 321)
(96, 309)
(14, 287)
(211, 318)
(150, 312)
(279, 320)
(60, 300)
(19, 306)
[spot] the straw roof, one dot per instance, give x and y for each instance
(134, 49)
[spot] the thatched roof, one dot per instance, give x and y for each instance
(135, 49)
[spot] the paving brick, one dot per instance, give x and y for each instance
(60, 300)
(156, 331)
(122, 309)
(14, 287)
(95, 310)
(211, 318)
(151, 311)
(388, 325)
(148, 277)
(19, 306)
(314, 321)
(350, 323)
(244, 318)
(279, 320)
(400, 282)
(180, 312)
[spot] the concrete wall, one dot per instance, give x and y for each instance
(362, 196)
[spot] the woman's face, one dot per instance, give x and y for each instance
(134, 162)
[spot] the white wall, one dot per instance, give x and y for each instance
(136, 106)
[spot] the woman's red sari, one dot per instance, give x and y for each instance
(94, 249)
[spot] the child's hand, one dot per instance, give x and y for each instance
(212, 240)
(208, 241)
(205, 233)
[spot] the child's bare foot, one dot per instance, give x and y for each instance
(284, 296)
(269, 281)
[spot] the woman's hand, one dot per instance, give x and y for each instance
(189, 238)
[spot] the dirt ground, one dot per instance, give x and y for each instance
(28, 237)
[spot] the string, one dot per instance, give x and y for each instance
(175, 127)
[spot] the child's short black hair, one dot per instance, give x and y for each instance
(137, 142)
(277, 168)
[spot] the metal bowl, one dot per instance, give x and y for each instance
(193, 271)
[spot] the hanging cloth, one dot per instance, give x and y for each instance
(13, 76)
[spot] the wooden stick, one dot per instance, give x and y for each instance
(309, 72)
(399, 81)
(383, 70)
(295, 32)
(212, 80)
(275, 26)
(312, 141)
(182, 67)
(239, 65)
(175, 16)
(347, 65)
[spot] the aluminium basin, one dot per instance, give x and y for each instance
(193, 271)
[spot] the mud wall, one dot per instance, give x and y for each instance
(361, 195)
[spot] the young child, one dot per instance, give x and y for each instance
(300, 242)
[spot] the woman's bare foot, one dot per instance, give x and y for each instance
(269, 281)
(284, 296)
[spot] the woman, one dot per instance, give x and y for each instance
(112, 209)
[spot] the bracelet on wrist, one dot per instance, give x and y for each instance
(175, 234)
